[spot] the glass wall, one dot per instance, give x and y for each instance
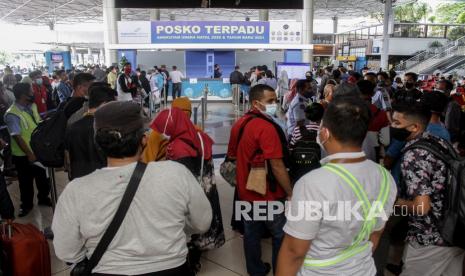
(410, 30)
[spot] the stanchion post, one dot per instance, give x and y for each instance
(204, 112)
(196, 111)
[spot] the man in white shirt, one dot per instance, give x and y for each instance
(168, 200)
(352, 195)
(176, 78)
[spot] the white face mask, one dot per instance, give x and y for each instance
(270, 109)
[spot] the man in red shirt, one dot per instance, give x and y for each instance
(257, 139)
(40, 91)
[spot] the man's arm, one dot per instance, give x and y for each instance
(375, 237)
(419, 206)
(24, 147)
(280, 173)
(122, 84)
(291, 255)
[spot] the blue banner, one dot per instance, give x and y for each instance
(165, 32)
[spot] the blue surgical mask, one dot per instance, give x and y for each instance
(39, 81)
(270, 109)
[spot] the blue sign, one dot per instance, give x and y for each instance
(166, 32)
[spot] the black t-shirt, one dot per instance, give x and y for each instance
(84, 155)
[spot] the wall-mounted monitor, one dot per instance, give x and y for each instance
(229, 4)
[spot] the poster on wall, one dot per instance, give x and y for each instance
(227, 32)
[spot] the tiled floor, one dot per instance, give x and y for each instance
(226, 261)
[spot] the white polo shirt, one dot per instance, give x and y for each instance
(176, 76)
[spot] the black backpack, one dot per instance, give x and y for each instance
(453, 225)
(305, 154)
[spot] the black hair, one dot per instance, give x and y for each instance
(417, 111)
(384, 75)
(366, 87)
(81, 78)
(300, 85)
(143, 73)
(356, 75)
(336, 74)
(59, 73)
(127, 64)
(99, 95)
(269, 74)
(18, 77)
(314, 112)
(256, 92)
(117, 145)
(345, 89)
(435, 101)
(414, 76)
(35, 74)
(347, 118)
(449, 85)
(21, 89)
(370, 74)
(236, 67)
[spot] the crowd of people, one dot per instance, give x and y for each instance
(349, 137)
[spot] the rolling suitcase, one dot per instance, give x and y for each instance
(26, 249)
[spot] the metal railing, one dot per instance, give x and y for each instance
(203, 107)
(428, 55)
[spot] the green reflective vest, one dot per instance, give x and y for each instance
(28, 124)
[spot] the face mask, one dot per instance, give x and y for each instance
(31, 98)
(127, 71)
(270, 109)
(409, 85)
(381, 83)
(400, 134)
(39, 81)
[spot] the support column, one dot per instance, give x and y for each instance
(263, 15)
(90, 57)
(335, 23)
(155, 15)
(101, 56)
(111, 16)
(74, 58)
(307, 21)
(385, 53)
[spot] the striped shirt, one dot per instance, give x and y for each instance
(296, 135)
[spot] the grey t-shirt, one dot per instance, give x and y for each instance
(328, 237)
(152, 236)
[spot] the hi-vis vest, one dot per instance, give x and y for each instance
(28, 124)
(360, 242)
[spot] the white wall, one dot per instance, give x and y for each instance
(249, 59)
(407, 46)
(148, 59)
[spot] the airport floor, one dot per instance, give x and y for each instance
(228, 260)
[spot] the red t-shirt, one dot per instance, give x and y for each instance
(258, 135)
(379, 119)
(40, 95)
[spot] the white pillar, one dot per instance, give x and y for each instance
(335, 23)
(73, 55)
(263, 15)
(307, 21)
(111, 16)
(155, 15)
(101, 56)
(385, 53)
(90, 57)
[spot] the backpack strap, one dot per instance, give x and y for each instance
(434, 148)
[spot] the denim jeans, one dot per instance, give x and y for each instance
(253, 232)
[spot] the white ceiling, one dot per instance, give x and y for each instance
(45, 12)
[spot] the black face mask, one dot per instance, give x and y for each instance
(400, 134)
(308, 94)
(31, 98)
(409, 85)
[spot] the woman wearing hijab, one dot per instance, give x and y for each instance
(289, 96)
(193, 149)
